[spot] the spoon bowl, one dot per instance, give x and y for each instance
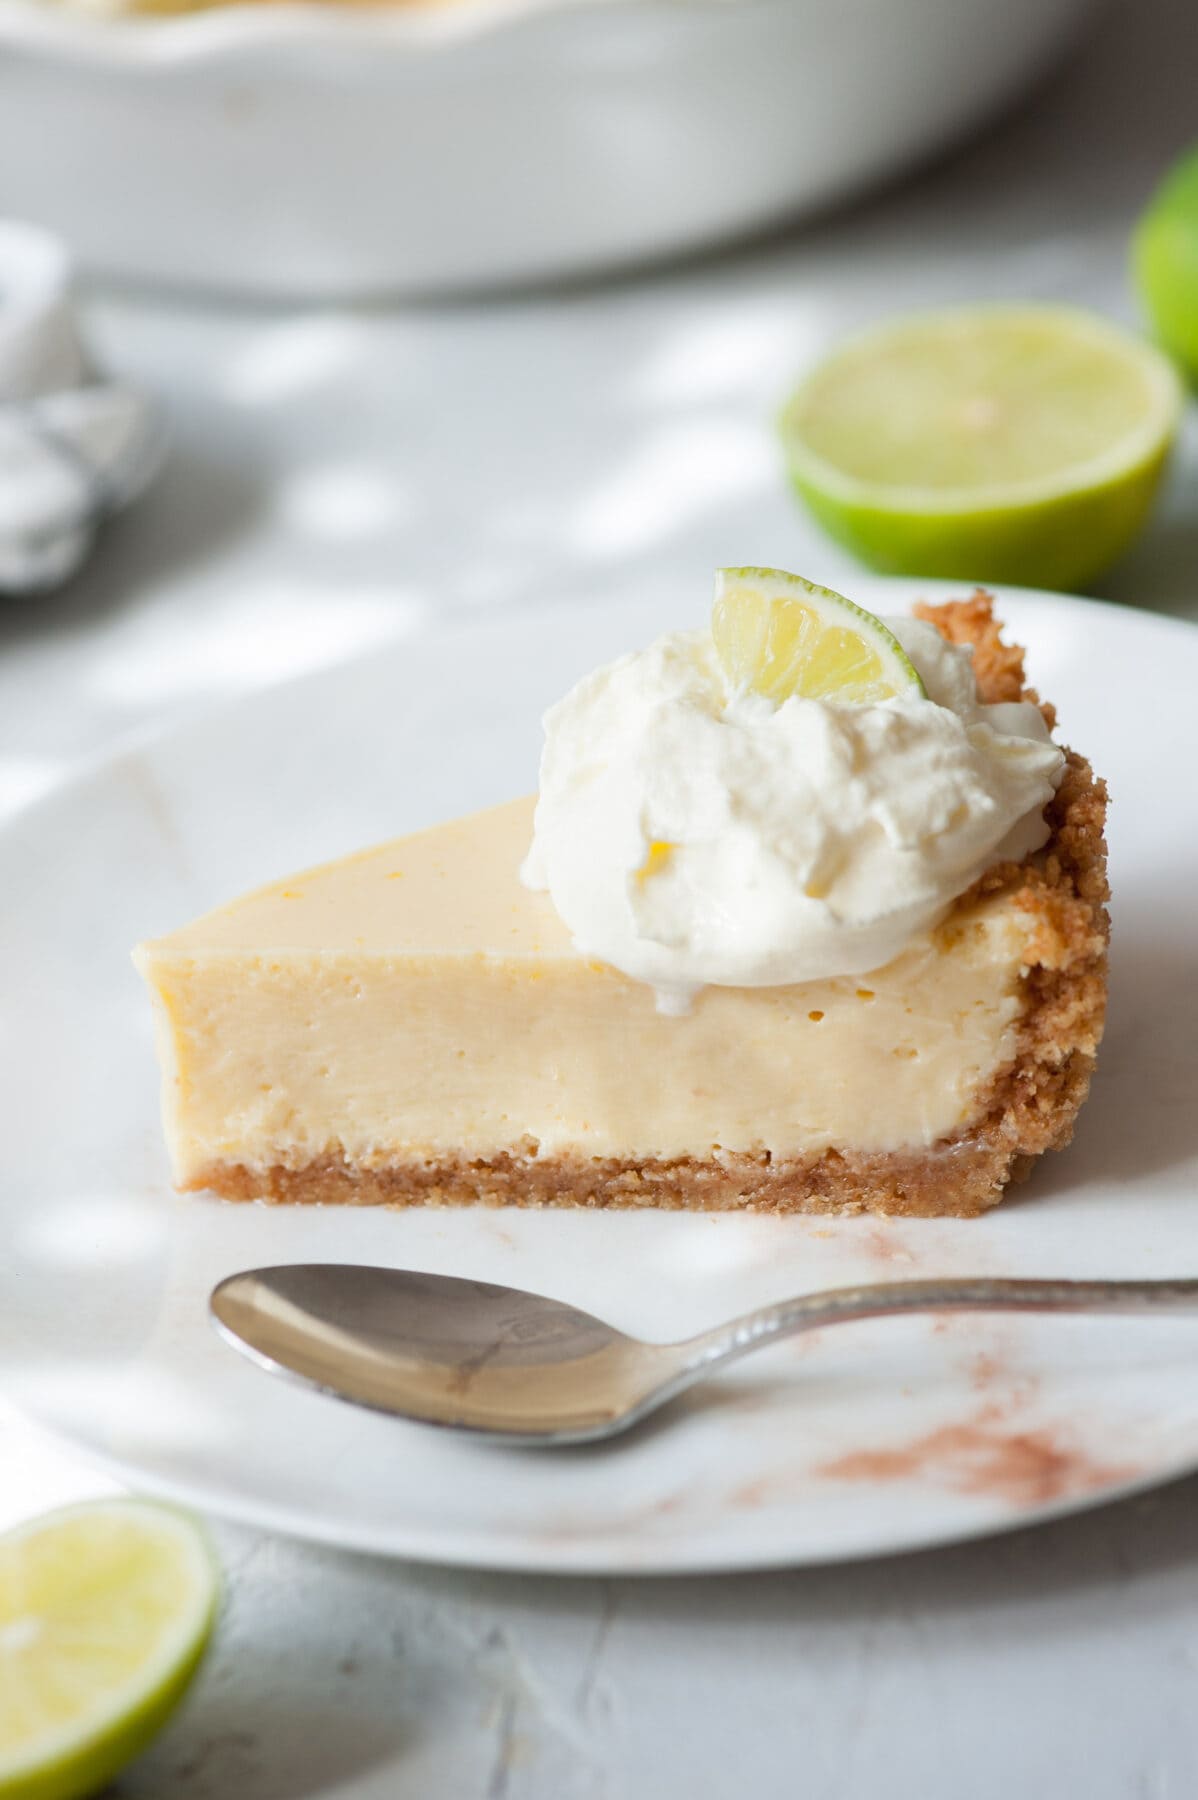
(521, 1368)
(445, 1351)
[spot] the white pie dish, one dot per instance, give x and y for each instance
(303, 150)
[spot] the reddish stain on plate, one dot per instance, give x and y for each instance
(984, 1371)
(990, 1372)
(567, 1526)
(984, 1456)
(884, 1247)
(754, 1493)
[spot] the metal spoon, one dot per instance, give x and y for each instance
(520, 1368)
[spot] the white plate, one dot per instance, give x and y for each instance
(867, 1440)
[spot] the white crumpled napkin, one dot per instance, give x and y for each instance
(73, 447)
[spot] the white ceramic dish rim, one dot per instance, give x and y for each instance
(227, 32)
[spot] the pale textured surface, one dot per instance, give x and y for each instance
(922, 1677)
(319, 499)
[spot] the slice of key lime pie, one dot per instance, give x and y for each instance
(809, 916)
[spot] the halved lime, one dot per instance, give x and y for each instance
(998, 443)
(105, 1612)
(1165, 259)
(778, 635)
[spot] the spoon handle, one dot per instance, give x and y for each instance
(970, 1293)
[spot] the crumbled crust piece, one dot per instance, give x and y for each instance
(1033, 1104)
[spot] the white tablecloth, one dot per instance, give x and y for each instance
(342, 477)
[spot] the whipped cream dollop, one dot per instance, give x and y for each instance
(690, 838)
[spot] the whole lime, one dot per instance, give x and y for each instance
(1165, 261)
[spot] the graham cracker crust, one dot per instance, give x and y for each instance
(1029, 1107)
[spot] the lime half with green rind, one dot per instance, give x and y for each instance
(105, 1613)
(1016, 443)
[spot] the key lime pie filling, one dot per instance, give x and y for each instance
(808, 915)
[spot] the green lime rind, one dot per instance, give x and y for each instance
(1066, 543)
(79, 1763)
